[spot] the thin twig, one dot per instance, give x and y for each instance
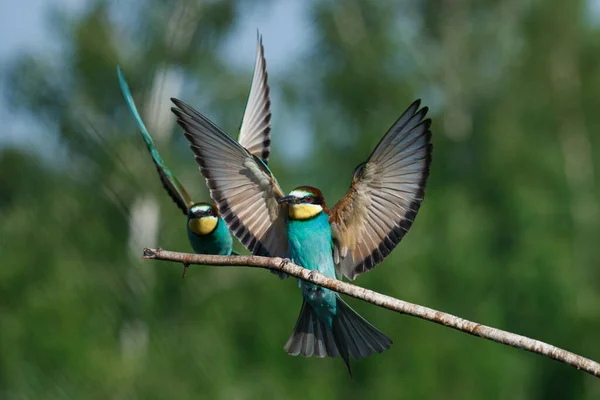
(403, 307)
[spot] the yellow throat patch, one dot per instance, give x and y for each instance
(304, 211)
(203, 226)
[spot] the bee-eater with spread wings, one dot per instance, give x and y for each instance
(349, 239)
(207, 232)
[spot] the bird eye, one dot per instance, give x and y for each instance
(308, 199)
(209, 212)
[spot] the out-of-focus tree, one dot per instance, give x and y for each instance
(506, 234)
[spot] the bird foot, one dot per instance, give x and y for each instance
(282, 275)
(285, 261)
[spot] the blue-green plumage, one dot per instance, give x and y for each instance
(326, 325)
(218, 241)
(311, 247)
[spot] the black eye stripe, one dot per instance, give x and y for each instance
(301, 197)
(202, 212)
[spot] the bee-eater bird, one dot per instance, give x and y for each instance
(207, 232)
(349, 239)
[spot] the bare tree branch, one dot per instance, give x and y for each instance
(403, 307)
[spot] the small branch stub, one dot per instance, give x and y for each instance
(390, 303)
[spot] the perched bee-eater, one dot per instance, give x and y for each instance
(349, 239)
(207, 232)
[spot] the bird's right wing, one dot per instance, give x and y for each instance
(256, 123)
(241, 184)
(170, 182)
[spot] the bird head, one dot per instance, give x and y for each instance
(304, 202)
(202, 218)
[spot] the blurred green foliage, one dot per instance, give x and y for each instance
(506, 235)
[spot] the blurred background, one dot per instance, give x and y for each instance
(507, 235)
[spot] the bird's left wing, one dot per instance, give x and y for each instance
(244, 189)
(170, 182)
(256, 123)
(385, 195)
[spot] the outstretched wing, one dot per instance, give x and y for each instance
(244, 189)
(385, 195)
(170, 182)
(256, 123)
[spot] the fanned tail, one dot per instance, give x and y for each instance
(351, 335)
(311, 336)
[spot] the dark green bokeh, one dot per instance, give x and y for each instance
(507, 235)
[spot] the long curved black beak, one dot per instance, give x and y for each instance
(286, 199)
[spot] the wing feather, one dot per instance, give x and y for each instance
(169, 181)
(385, 195)
(242, 186)
(256, 124)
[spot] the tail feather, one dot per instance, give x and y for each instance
(361, 333)
(351, 335)
(310, 336)
(307, 342)
(341, 342)
(321, 344)
(357, 344)
(355, 336)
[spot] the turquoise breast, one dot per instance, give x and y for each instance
(218, 242)
(311, 247)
